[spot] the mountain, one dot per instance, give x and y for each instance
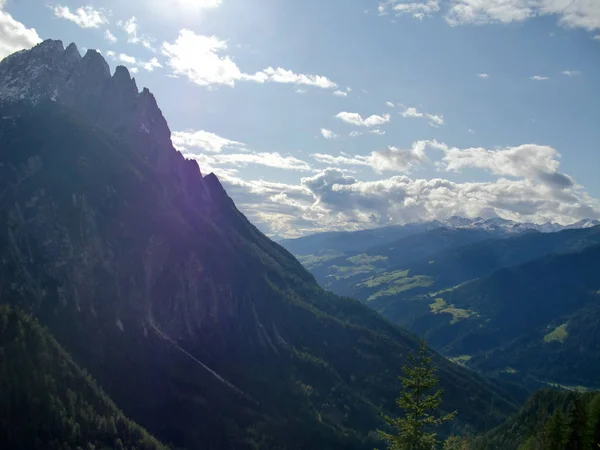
(453, 266)
(197, 325)
(353, 241)
(539, 319)
(533, 415)
(71, 411)
(521, 307)
(356, 241)
(358, 274)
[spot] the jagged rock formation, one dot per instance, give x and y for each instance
(199, 327)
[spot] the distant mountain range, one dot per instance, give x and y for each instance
(197, 326)
(522, 306)
(363, 239)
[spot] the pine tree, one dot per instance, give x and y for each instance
(413, 430)
(456, 443)
(556, 432)
(594, 420)
(578, 438)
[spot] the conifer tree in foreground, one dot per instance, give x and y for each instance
(419, 400)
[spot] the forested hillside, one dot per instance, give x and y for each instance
(48, 403)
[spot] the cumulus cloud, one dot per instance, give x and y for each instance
(340, 94)
(356, 119)
(391, 159)
(530, 161)
(528, 187)
(328, 134)
(127, 58)
(434, 119)
(14, 36)
(201, 59)
(389, 104)
(110, 37)
(131, 27)
(539, 78)
(202, 140)
(84, 17)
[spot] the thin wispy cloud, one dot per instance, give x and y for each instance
(571, 73)
(435, 120)
(328, 134)
(202, 140)
(131, 27)
(84, 17)
(483, 75)
(539, 78)
(202, 60)
(110, 37)
(357, 120)
(133, 63)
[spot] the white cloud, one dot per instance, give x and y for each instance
(483, 75)
(133, 37)
(15, 36)
(355, 133)
(391, 159)
(389, 104)
(571, 73)
(127, 58)
(356, 119)
(201, 59)
(434, 119)
(597, 37)
(109, 36)
(530, 161)
(377, 131)
(280, 75)
(539, 78)
(333, 200)
(151, 65)
(268, 159)
(84, 17)
(340, 94)
(571, 13)
(203, 140)
(418, 9)
(328, 134)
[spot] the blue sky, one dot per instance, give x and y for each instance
(351, 114)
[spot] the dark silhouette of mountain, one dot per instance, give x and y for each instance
(198, 326)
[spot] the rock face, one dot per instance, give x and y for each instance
(199, 327)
